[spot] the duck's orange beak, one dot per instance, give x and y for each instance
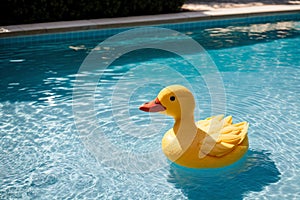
(152, 106)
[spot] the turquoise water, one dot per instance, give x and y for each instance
(45, 156)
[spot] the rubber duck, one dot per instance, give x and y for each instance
(210, 143)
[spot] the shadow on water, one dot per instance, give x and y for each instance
(251, 174)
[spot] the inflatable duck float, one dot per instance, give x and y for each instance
(211, 143)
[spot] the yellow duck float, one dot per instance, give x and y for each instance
(211, 143)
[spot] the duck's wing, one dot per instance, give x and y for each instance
(212, 124)
(222, 136)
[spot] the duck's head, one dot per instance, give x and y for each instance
(174, 100)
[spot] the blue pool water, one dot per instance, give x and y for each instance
(114, 152)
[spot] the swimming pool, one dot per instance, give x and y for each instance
(46, 155)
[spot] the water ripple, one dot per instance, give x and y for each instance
(44, 157)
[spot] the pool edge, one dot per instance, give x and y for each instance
(147, 20)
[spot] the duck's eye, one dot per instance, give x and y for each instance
(172, 98)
